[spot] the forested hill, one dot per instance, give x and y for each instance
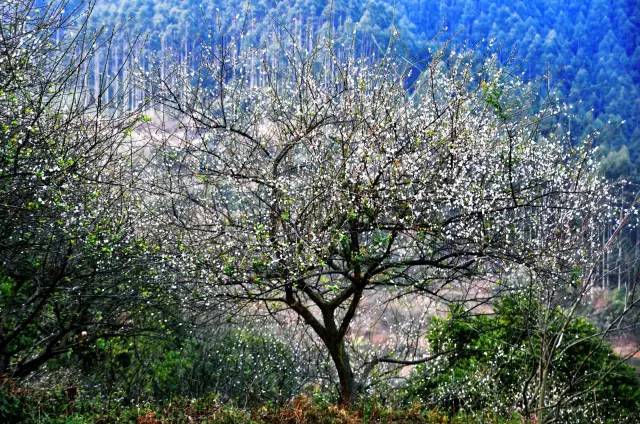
(589, 48)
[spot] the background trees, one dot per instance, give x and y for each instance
(589, 49)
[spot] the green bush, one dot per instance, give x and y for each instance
(494, 362)
(239, 365)
(246, 367)
(10, 405)
(29, 405)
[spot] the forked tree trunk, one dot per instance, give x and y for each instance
(333, 336)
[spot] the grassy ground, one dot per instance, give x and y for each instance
(56, 409)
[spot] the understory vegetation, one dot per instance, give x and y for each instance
(243, 377)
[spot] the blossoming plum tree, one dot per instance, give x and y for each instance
(332, 180)
(69, 257)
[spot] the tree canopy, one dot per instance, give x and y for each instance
(333, 183)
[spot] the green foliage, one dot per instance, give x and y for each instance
(166, 379)
(52, 407)
(249, 367)
(493, 96)
(28, 405)
(239, 365)
(495, 360)
(11, 406)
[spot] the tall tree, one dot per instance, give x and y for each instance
(69, 260)
(331, 187)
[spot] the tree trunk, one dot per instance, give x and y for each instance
(5, 362)
(340, 357)
(542, 389)
(332, 335)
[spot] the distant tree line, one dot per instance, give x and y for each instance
(588, 50)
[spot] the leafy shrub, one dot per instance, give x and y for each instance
(239, 365)
(51, 407)
(495, 359)
(29, 405)
(10, 404)
(247, 367)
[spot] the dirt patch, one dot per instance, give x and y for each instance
(626, 346)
